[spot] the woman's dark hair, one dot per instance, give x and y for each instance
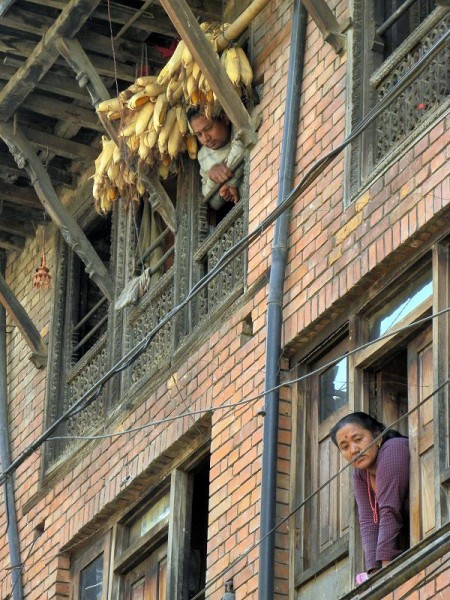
(367, 422)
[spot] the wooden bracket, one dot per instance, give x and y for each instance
(187, 26)
(25, 325)
(332, 30)
(86, 74)
(26, 158)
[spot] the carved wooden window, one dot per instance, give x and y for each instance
(325, 517)
(81, 348)
(203, 235)
(390, 37)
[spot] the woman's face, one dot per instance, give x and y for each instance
(351, 440)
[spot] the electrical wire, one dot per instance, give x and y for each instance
(227, 258)
(318, 490)
(260, 395)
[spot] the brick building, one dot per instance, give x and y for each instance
(153, 486)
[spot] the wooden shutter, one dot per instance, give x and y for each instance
(421, 433)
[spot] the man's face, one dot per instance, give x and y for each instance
(213, 133)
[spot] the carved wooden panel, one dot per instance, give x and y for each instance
(422, 97)
(153, 308)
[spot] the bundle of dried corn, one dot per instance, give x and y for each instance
(152, 123)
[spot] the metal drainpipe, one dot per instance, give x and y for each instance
(275, 305)
(5, 460)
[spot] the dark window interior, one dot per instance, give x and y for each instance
(407, 22)
(196, 571)
(90, 307)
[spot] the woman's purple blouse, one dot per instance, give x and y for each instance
(381, 540)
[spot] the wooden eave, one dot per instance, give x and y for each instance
(56, 63)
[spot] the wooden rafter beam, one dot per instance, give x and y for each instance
(187, 26)
(60, 146)
(4, 5)
(25, 325)
(27, 159)
(69, 22)
(63, 111)
(21, 196)
(331, 29)
(10, 172)
(56, 84)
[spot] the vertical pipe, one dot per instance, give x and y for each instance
(275, 305)
(5, 460)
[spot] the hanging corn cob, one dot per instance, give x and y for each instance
(152, 124)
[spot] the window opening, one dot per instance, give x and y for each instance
(411, 297)
(197, 551)
(155, 241)
(399, 18)
(333, 389)
(157, 513)
(91, 580)
(90, 307)
(400, 381)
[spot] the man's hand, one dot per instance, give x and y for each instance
(228, 193)
(220, 173)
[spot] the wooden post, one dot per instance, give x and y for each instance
(208, 61)
(26, 158)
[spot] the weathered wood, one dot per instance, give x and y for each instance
(56, 84)
(63, 111)
(329, 26)
(43, 56)
(4, 5)
(25, 325)
(12, 222)
(180, 500)
(12, 242)
(25, 157)
(60, 146)
(160, 200)
(9, 172)
(86, 75)
(189, 29)
(22, 196)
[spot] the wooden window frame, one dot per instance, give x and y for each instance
(317, 561)
(83, 558)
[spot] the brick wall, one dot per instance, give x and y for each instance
(331, 250)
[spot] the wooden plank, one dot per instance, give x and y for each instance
(26, 158)
(86, 74)
(325, 20)
(63, 111)
(69, 22)
(60, 146)
(22, 196)
(4, 5)
(189, 29)
(12, 222)
(11, 242)
(178, 524)
(56, 84)
(9, 172)
(25, 325)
